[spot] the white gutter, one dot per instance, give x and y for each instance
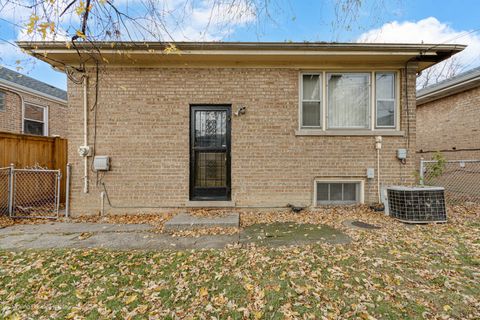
(185, 45)
(259, 53)
(14, 86)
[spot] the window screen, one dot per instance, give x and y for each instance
(2, 101)
(311, 100)
(34, 120)
(385, 100)
(33, 127)
(338, 192)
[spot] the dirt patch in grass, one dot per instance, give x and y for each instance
(282, 233)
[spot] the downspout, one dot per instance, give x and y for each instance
(22, 102)
(85, 133)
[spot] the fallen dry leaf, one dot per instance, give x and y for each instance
(85, 235)
(131, 299)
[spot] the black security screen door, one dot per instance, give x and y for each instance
(210, 153)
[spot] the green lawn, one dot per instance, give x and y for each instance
(398, 272)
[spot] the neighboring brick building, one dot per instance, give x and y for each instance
(448, 118)
(30, 106)
(249, 125)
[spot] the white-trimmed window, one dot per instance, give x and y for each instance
(385, 100)
(338, 192)
(35, 120)
(311, 94)
(339, 101)
(2, 100)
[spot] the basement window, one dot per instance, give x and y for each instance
(338, 192)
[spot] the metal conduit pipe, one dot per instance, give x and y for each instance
(85, 132)
(378, 146)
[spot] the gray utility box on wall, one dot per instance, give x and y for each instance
(417, 204)
(101, 163)
(401, 154)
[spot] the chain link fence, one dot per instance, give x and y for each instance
(30, 192)
(4, 190)
(460, 178)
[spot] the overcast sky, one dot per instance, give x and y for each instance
(414, 21)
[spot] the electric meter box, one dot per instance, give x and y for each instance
(370, 173)
(101, 163)
(402, 154)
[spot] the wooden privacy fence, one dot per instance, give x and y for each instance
(26, 151)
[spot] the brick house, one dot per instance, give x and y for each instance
(30, 106)
(246, 125)
(448, 118)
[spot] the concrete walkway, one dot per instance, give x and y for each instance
(140, 236)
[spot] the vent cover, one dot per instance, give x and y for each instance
(417, 204)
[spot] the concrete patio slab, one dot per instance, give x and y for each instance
(115, 241)
(19, 241)
(185, 221)
(42, 241)
(124, 241)
(66, 227)
(140, 237)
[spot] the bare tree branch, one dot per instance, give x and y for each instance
(442, 71)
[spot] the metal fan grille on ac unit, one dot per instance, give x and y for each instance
(417, 204)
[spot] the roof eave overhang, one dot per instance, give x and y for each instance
(240, 54)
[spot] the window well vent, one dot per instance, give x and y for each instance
(337, 192)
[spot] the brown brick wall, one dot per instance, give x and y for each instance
(11, 118)
(450, 123)
(143, 124)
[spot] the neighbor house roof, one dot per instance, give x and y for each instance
(275, 54)
(15, 80)
(464, 81)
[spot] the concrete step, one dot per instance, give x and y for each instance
(185, 221)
